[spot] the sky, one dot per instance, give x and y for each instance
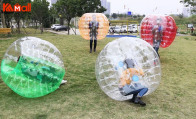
(163, 7)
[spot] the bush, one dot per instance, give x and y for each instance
(182, 32)
(193, 34)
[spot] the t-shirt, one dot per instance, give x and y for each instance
(94, 25)
(127, 75)
(157, 32)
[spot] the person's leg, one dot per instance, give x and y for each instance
(139, 95)
(134, 93)
(91, 45)
(91, 41)
(157, 50)
(142, 92)
(133, 98)
(95, 41)
(95, 45)
(156, 47)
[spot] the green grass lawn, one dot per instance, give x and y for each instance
(81, 97)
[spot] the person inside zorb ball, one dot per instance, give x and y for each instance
(128, 69)
(32, 67)
(158, 30)
(93, 27)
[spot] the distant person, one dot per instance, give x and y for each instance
(93, 26)
(130, 85)
(192, 29)
(157, 32)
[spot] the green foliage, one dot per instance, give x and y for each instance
(114, 15)
(182, 32)
(107, 15)
(69, 9)
(89, 6)
(186, 38)
(40, 12)
(179, 20)
(53, 15)
(8, 15)
(191, 3)
(16, 15)
(193, 34)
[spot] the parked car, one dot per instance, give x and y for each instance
(117, 29)
(54, 25)
(111, 29)
(59, 28)
(129, 28)
(132, 28)
(124, 29)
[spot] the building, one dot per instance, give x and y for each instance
(106, 5)
(186, 12)
(108, 8)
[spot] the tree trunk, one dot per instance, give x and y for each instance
(41, 28)
(74, 31)
(61, 21)
(75, 24)
(68, 25)
(3, 20)
(2, 14)
(36, 24)
(41, 23)
(18, 24)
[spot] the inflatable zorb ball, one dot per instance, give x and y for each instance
(111, 67)
(93, 22)
(32, 67)
(157, 27)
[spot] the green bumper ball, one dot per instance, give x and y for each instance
(32, 67)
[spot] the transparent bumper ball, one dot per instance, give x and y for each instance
(93, 22)
(158, 27)
(32, 67)
(130, 61)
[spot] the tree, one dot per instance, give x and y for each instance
(180, 15)
(8, 15)
(120, 15)
(69, 9)
(134, 16)
(40, 12)
(107, 15)
(89, 6)
(193, 19)
(2, 14)
(53, 15)
(18, 16)
(8, 18)
(114, 15)
(191, 3)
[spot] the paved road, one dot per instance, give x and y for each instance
(71, 32)
(182, 34)
(78, 33)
